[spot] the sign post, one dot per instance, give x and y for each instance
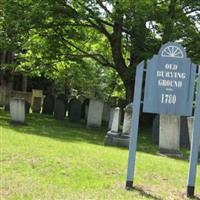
(169, 89)
(135, 123)
(194, 146)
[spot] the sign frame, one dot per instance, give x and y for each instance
(135, 124)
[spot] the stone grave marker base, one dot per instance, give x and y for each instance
(116, 139)
(170, 153)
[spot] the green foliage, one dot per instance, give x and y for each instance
(49, 36)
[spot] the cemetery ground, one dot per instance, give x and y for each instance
(49, 159)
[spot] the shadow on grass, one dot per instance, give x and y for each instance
(145, 194)
(47, 126)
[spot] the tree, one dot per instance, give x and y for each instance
(127, 39)
(116, 34)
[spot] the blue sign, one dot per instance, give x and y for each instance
(169, 84)
(169, 89)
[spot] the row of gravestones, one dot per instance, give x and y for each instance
(95, 112)
(60, 105)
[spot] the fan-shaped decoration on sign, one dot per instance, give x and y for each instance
(172, 51)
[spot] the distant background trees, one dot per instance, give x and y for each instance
(93, 46)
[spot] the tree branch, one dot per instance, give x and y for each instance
(103, 7)
(97, 57)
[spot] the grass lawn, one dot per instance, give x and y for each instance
(48, 159)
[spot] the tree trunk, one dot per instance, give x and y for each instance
(24, 83)
(129, 88)
(3, 57)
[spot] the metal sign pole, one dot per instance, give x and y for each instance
(194, 146)
(134, 125)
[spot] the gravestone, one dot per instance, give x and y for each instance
(169, 135)
(95, 112)
(75, 111)
(114, 137)
(17, 110)
(36, 93)
(84, 109)
(112, 111)
(36, 107)
(106, 113)
(63, 98)
(48, 104)
(27, 107)
(184, 137)
(59, 110)
(116, 121)
(127, 119)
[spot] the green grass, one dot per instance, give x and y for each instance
(48, 159)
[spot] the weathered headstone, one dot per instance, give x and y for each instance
(114, 136)
(95, 113)
(17, 110)
(127, 119)
(59, 110)
(75, 111)
(169, 137)
(36, 93)
(112, 111)
(36, 107)
(116, 121)
(184, 137)
(106, 113)
(70, 103)
(27, 107)
(63, 98)
(48, 104)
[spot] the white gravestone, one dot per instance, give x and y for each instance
(114, 136)
(126, 129)
(112, 110)
(116, 121)
(95, 113)
(17, 110)
(169, 137)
